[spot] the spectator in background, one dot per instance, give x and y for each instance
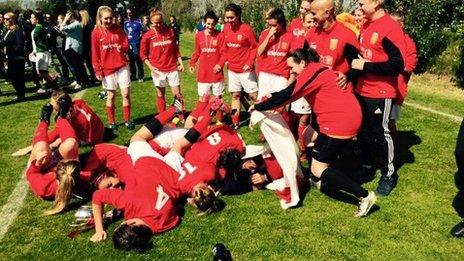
(175, 26)
(133, 28)
(73, 47)
(118, 20)
(145, 24)
(13, 41)
(2, 54)
(200, 25)
(220, 25)
(40, 55)
(27, 29)
(87, 28)
(58, 49)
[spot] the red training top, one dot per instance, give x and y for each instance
(240, 47)
(410, 60)
(160, 48)
(210, 50)
(382, 45)
(274, 58)
(109, 50)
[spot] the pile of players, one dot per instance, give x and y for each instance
(341, 80)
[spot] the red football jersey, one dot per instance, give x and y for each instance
(86, 123)
(149, 197)
(330, 45)
(209, 51)
(274, 58)
(109, 50)
(212, 142)
(410, 63)
(373, 35)
(42, 182)
(160, 48)
(193, 173)
(240, 46)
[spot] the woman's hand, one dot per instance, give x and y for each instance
(98, 236)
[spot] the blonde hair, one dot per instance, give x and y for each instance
(100, 10)
(155, 11)
(66, 173)
(13, 22)
(57, 94)
(85, 17)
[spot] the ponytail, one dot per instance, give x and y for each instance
(67, 172)
(206, 201)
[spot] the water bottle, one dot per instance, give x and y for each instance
(220, 253)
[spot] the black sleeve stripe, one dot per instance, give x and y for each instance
(392, 67)
(350, 52)
(279, 98)
(192, 135)
(154, 126)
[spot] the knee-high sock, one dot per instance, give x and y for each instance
(40, 133)
(110, 114)
(126, 111)
(201, 105)
(65, 129)
(338, 180)
(160, 103)
(166, 116)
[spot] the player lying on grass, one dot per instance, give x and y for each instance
(54, 175)
(85, 122)
(153, 185)
(338, 115)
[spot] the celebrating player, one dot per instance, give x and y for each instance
(338, 116)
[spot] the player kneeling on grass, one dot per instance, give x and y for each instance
(54, 175)
(338, 115)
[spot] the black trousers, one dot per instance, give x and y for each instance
(75, 61)
(64, 71)
(374, 137)
(15, 75)
(135, 63)
(458, 202)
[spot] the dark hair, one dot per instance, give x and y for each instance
(127, 237)
(279, 15)
(211, 15)
(206, 201)
(38, 16)
(307, 55)
(230, 160)
(234, 8)
(27, 14)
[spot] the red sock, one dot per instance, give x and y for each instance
(65, 129)
(160, 104)
(52, 136)
(110, 114)
(236, 119)
(126, 111)
(40, 133)
(198, 109)
(166, 116)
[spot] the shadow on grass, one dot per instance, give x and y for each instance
(403, 154)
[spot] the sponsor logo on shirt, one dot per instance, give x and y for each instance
(234, 45)
(276, 54)
(162, 43)
(111, 46)
(208, 50)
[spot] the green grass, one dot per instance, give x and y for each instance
(411, 224)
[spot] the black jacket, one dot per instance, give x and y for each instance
(14, 43)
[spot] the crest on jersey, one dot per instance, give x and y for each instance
(284, 46)
(374, 38)
(333, 44)
(214, 43)
(239, 37)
